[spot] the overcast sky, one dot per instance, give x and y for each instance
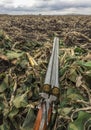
(45, 6)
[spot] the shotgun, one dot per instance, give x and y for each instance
(50, 93)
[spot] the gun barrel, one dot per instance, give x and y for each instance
(49, 70)
(51, 79)
(50, 84)
(54, 74)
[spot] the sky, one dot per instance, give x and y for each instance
(60, 7)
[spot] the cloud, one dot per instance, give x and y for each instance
(6, 3)
(64, 4)
(45, 6)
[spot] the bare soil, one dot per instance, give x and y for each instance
(71, 29)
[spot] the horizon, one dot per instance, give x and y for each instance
(71, 14)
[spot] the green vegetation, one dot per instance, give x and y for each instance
(22, 73)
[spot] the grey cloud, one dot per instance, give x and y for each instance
(46, 6)
(7, 1)
(63, 5)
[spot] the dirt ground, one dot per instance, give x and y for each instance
(25, 50)
(71, 29)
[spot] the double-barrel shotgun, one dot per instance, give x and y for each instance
(50, 93)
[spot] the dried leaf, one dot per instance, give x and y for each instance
(72, 75)
(13, 55)
(78, 81)
(4, 84)
(20, 101)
